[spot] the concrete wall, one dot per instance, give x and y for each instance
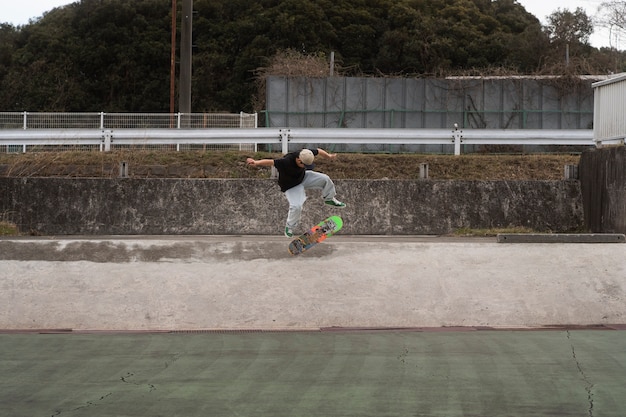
(603, 185)
(66, 206)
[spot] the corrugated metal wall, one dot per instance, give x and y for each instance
(610, 110)
(470, 102)
(493, 103)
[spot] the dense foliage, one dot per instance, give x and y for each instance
(114, 55)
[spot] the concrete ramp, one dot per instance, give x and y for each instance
(251, 282)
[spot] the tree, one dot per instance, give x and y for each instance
(99, 55)
(569, 34)
(114, 55)
(8, 38)
(612, 15)
(568, 27)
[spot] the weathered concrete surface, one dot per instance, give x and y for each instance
(603, 186)
(66, 206)
(348, 281)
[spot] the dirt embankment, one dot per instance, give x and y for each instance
(159, 164)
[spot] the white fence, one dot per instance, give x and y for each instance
(28, 131)
(23, 140)
(609, 116)
(102, 120)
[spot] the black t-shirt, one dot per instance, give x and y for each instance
(289, 173)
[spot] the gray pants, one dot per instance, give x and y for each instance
(297, 195)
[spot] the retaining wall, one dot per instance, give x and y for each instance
(67, 206)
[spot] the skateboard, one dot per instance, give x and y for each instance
(315, 235)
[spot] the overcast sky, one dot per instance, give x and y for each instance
(18, 12)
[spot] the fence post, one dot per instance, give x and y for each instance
(457, 135)
(571, 172)
(123, 169)
(284, 139)
(424, 171)
(107, 140)
(25, 117)
(101, 120)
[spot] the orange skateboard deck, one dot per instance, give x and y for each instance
(315, 235)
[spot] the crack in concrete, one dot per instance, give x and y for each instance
(125, 379)
(92, 403)
(403, 356)
(88, 404)
(173, 358)
(128, 375)
(588, 384)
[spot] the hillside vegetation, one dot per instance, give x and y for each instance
(115, 55)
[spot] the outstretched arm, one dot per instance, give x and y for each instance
(325, 154)
(260, 162)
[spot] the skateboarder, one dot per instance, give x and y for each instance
(295, 176)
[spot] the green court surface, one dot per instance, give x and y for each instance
(327, 373)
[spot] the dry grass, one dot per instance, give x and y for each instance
(197, 164)
(8, 229)
(291, 63)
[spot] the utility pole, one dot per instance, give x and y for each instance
(184, 92)
(173, 61)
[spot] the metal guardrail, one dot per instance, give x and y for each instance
(107, 139)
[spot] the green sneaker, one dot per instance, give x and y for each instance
(288, 232)
(335, 203)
